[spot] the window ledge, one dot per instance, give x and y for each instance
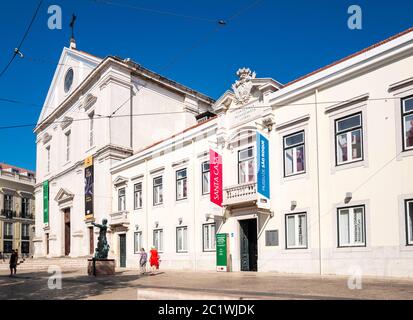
(299, 176)
(404, 154)
(182, 201)
(350, 165)
(351, 249)
(296, 251)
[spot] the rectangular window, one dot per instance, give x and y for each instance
(8, 230)
(67, 136)
(157, 191)
(209, 237)
(181, 184)
(294, 158)
(121, 199)
(246, 172)
(158, 239)
(91, 124)
(7, 246)
(349, 139)
(25, 247)
(48, 158)
(409, 221)
(271, 238)
(407, 118)
(25, 207)
(8, 203)
(182, 239)
(296, 230)
(205, 177)
(351, 227)
(25, 231)
(137, 195)
(137, 241)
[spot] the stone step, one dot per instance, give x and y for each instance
(45, 263)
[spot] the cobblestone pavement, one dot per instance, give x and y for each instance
(202, 285)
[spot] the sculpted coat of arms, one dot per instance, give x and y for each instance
(242, 87)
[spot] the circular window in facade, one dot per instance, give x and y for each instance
(68, 80)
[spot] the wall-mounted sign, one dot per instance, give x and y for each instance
(215, 177)
(88, 187)
(222, 251)
(46, 202)
(263, 165)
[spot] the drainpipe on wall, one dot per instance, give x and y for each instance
(318, 182)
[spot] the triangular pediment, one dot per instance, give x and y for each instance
(81, 64)
(120, 180)
(64, 195)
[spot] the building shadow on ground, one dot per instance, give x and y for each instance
(74, 286)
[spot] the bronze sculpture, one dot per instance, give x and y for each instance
(102, 250)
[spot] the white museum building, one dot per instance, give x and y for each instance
(315, 176)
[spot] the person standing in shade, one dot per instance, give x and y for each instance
(154, 260)
(142, 261)
(13, 262)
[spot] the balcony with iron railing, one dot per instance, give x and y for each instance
(8, 214)
(26, 215)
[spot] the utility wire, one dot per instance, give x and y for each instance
(17, 50)
(205, 38)
(208, 35)
(14, 101)
(162, 12)
(112, 115)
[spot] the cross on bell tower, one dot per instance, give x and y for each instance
(72, 38)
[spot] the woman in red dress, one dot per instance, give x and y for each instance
(154, 260)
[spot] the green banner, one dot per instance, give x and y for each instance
(46, 201)
(221, 249)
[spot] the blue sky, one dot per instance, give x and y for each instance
(278, 39)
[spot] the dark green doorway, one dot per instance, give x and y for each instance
(248, 245)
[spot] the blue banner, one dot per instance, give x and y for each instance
(263, 166)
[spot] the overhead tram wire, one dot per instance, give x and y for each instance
(17, 50)
(197, 44)
(151, 10)
(209, 35)
(112, 115)
(14, 101)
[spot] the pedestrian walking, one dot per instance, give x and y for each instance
(13, 262)
(154, 260)
(142, 261)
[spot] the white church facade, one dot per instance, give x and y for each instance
(97, 112)
(315, 176)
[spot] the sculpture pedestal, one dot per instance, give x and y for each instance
(103, 267)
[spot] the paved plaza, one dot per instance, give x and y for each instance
(129, 285)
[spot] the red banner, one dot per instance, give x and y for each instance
(215, 177)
